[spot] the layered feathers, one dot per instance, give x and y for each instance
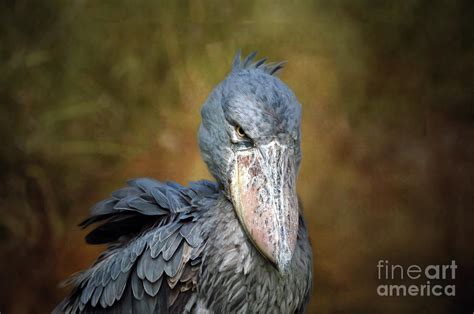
(154, 249)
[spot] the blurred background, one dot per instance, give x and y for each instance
(95, 92)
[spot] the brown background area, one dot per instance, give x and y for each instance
(95, 92)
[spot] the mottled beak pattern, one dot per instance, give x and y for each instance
(263, 190)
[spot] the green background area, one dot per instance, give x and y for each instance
(95, 92)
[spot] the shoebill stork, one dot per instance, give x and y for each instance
(235, 245)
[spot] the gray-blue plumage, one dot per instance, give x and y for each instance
(184, 249)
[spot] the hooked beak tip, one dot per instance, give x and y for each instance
(283, 267)
(284, 259)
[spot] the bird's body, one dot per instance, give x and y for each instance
(205, 248)
(242, 279)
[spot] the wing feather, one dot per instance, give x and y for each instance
(155, 245)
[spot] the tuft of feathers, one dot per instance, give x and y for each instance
(247, 64)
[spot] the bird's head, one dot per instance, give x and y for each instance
(250, 140)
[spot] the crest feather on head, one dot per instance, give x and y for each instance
(247, 64)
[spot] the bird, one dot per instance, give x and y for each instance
(238, 244)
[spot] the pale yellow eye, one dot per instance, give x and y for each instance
(240, 132)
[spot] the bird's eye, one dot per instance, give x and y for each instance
(240, 132)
